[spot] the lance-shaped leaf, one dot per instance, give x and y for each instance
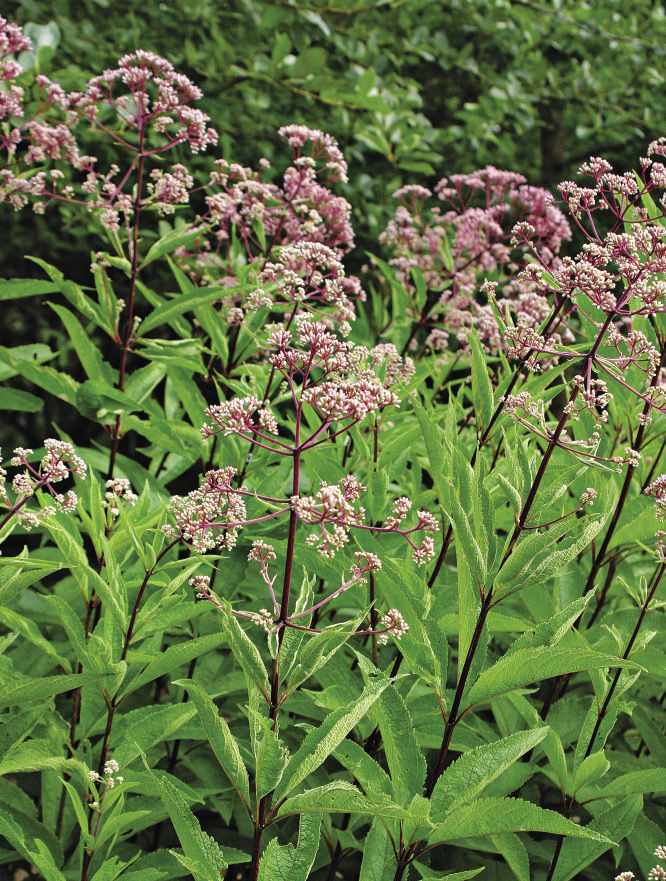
(378, 862)
(515, 854)
(203, 856)
(482, 389)
(289, 862)
(634, 782)
(613, 825)
(220, 738)
(428, 874)
(493, 816)
(271, 759)
(550, 632)
(405, 761)
(340, 797)
(31, 690)
(172, 658)
(469, 775)
(536, 664)
(567, 550)
(320, 742)
(369, 774)
(246, 653)
(181, 303)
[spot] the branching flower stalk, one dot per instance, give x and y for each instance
(339, 383)
(587, 393)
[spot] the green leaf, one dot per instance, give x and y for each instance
(482, 390)
(60, 385)
(378, 862)
(27, 834)
(405, 761)
(515, 854)
(613, 825)
(434, 441)
(590, 770)
(73, 293)
(173, 657)
(493, 816)
(17, 288)
(530, 665)
(469, 775)
(288, 862)
(550, 632)
(180, 304)
(320, 742)
(87, 352)
(246, 652)
(175, 238)
(534, 566)
(428, 875)
(203, 854)
(272, 758)
(31, 690)
(142, 728)
(220, 738)
(467, 539)
(370, 775)
(319, 650)
(15, 399)
(634, 782)
(339, 797)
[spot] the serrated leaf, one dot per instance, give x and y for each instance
(220, 738)
(515, 854)
(173, 657)
(15, 399)
(633, 783)
(428, 875)
(550, 632)
(469, 775)
(205, 857)
(17, 288)
(482, 389)
(536, 664)
(378, 862)
(591, 769)
(246, 653)
(181, 304)
(320, 742)
(493, 816)
(339, 797)
(31, 690)
(289, 863)
(87, 352)
(405, 761)
(613, 825)
(175, 238)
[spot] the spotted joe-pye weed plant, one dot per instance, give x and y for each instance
(359, 578)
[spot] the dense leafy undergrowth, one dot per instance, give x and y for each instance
(359, 577)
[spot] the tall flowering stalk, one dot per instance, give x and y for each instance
(614, 282)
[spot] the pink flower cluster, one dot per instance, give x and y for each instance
(143, 105)
(59, 462)
(598, 295)
(455, 248)
(265, 215)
